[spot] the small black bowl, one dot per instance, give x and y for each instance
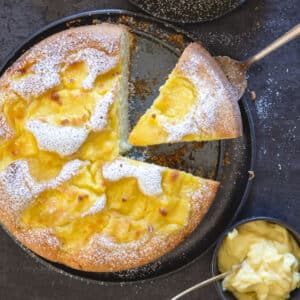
(227, 295)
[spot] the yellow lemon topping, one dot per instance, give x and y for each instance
(174, 102)
(58, 126)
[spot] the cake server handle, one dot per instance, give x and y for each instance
(208, 281)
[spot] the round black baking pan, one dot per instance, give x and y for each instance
(227, 295)
(187, 11)
(158, 46)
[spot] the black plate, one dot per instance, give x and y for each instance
(187, 11)
(158, 47)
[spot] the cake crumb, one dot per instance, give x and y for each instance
(253, 96)
(142, 88)
(251, 175)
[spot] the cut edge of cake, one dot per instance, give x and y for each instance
(127, 42)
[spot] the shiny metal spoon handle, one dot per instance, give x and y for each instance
(290, 35)
(202, 284)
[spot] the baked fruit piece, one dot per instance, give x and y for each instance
(197, 103)
(115, 215)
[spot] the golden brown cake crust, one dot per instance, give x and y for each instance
(195, 62)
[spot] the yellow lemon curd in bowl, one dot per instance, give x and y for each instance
(269, 258)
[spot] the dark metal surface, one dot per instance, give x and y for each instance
(227, 295)
(187, 11)
(275, 190)
(227, 161)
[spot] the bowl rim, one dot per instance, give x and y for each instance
(214, 268)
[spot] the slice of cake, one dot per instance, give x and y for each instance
(66, 193)
(196, 103)
(116, 215)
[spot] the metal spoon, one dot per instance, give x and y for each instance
(236, 70)
(208, 281)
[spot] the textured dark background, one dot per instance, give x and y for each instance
(276, 111)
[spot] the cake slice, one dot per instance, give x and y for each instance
(116, 215)
(197, 103)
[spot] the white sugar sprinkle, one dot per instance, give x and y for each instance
(203, 191)
(98, 62)
(39, 236)
(63, 140)
(19, 185)
(104, 250)
(66, 140)
(96, 207)
(148, 176)
(69, 170)
(5, 131)
(47, 58)
(99, 117)
(45, 76)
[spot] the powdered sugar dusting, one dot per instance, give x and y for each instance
(66, 140)
(40, 236)
(197, 195)
(98, 62)
(5, 131)
(104, 250)
(69, 170)
(96, 207)
(99, 116)
(203, 192)
(46, 59)
(63, 140)
(18, 184)
(148, 176)
(204, 116)
(44, 76)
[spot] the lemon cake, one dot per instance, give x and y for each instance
(66, 193)
(197, 103)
